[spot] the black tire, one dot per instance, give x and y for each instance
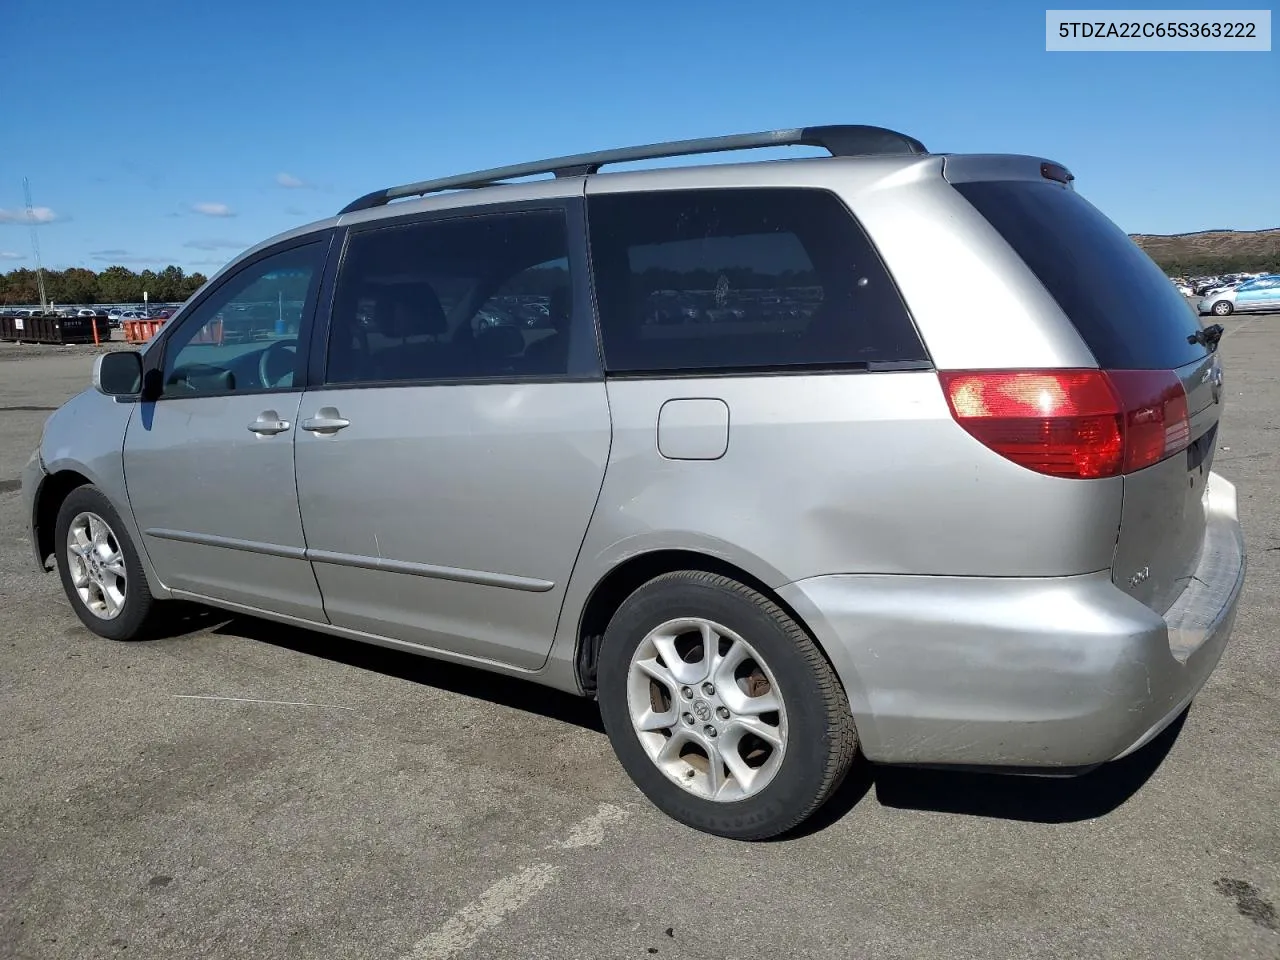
(137, 613)
(1222, 308)
(821, 741)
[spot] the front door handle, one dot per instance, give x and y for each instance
(325, 421)
(269, 424)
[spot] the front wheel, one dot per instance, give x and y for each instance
(1222, 308)
(721, 708)
(99, 567)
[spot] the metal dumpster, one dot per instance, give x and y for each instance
(54, 329)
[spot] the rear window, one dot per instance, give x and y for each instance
(742, 280)
(1124, 307)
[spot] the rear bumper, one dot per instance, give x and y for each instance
(1043, 673)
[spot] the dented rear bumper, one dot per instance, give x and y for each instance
(1055, 674)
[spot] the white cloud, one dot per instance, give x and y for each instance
(290, 182)
(118, 260)
(37, 215)
(215, 244)
(10, 255)
(213, 209)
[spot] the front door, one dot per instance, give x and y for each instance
(209, 463)
(449, 462)
(1259, 295)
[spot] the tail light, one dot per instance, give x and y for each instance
(1081, 424)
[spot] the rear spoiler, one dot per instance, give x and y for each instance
(970, 167)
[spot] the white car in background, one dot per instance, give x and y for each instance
(1227, 287)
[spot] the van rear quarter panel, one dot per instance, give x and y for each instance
(861, 473)
(840, 473)
(973, 300)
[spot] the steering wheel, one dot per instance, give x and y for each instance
(276, 362)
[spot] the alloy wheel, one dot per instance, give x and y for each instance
(97, 566)
(707, 709)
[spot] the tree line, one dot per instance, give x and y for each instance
(113, 285)
(1212, 266)
(171, 285)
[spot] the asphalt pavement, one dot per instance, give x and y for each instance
(241, 789)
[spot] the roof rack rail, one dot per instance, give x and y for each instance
(841, 140)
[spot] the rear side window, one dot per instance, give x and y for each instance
(1124, 307)
(485, 296)
(742, 280)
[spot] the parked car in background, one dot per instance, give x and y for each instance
(1221, 287)
(533, 313)
(1260, 295)
(766, 488)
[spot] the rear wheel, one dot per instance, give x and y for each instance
(1222, 308)
(99, 567)
(721, 708)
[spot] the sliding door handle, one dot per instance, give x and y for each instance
(326, 421)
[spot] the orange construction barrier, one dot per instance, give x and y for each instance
(211, 332)
(140, 331)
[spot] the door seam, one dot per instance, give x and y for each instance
(297, 498)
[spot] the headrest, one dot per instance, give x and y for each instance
(500, 342)
(409, 310)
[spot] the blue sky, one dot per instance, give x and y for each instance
(171, 132)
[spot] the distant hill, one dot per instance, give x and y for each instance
(1214, 251)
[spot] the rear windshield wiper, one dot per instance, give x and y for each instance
(1208, 337)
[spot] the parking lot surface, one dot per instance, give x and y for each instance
(246, 790)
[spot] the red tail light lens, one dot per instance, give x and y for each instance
(1081, 424)
(1157, 424)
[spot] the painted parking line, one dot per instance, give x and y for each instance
(464, 928)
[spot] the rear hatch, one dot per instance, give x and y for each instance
(1133, 319)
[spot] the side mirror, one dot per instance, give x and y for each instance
(118, 374)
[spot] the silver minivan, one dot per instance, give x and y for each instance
(719, 446)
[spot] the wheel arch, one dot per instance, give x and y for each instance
(627, 576)
(66, 475)
(53, 490)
